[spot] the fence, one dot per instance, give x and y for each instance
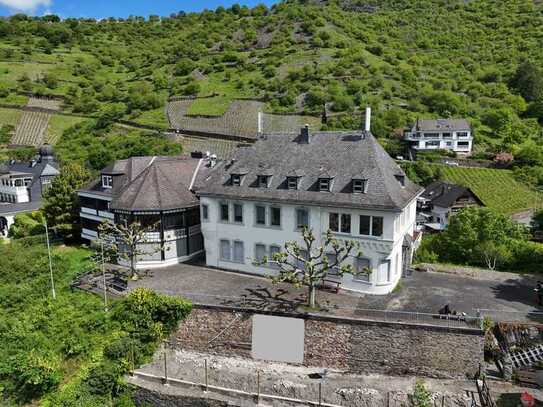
(528, 317)
(259, 382)
(290, 306)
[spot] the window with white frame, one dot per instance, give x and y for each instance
(236, 180)
(302, 218)
(339, 222)
(205, 212)
(362, 267)
(225, 254)
(324, 184)
(263, 181)
(359, 186)
(238, 213)
(275, 216)
(260, 215)
(107, 181)
(260, 252)
(239, 252)
(292, 182)
(224, 212)
(371, 225)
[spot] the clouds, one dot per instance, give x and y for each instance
(25, 5)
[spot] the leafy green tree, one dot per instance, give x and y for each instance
(479, 236)
(528, 81)
(109, 114)
(61, 207)
(27, 224)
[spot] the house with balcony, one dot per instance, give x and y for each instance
(157, 193)
(442, 200)
(441, 134)
(22, 185)
(339, 181)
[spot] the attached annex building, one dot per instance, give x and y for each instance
(342, 181)
(155, 192)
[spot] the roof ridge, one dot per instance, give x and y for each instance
(155, 170)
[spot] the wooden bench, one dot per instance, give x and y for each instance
(332, 284)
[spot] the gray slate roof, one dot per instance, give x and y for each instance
(444, 195)
(150, 183)
(440, 125)
(43, 166)
(343, 155)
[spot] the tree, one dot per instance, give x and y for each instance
(307, 264)
(27, 224)
(528, 81)
(61, 208)
(479, 236)
(127, 240)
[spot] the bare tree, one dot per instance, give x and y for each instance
(126, 241)
(307, 264)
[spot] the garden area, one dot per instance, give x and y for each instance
(69, 350)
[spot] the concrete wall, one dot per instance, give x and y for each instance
(353, 346)
(379, 250)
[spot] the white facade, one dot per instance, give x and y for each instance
(245, 239)
(458, 141)
(15, 189)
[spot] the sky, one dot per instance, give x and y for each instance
(114, 8)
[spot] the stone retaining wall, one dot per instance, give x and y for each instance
(353, 346)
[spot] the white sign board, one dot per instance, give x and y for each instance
(278, 339)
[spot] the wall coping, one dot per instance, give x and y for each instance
(344, 320)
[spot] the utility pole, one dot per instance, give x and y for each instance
(104, 274)
(50, 262)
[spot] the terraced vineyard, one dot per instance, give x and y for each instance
(240, 120)
(498, 189)
(32, 126)
(224, 149)
(31, 129)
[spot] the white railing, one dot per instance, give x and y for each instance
(88, 232)
(90, 211)
(105, 214)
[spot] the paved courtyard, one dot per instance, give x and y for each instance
(510, 295)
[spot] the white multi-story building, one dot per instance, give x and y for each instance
(339, 181)
(441, 134)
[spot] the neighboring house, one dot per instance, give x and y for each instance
(155, 192)
(342, 181)
(22, 185)
(440, 201)
(441, 134)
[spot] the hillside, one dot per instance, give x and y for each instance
(405, 58)
(498, 189)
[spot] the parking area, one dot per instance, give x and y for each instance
(509, 296)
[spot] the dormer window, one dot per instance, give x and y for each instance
(107, 181)
(292, 183)
(401, 179)
(359, 186)
(236, 180)
(324, 184)
(263, 181)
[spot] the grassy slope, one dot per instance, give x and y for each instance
(58, 124)
(498, 189)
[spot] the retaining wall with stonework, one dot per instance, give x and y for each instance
(355, 346)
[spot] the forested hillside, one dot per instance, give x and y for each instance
(480, 59)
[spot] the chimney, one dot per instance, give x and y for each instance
(259, 123)
(212, 160)
(368, 119)
(305, 136)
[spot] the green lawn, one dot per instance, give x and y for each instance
(498, 189)
(9, 116)
(58, 124)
